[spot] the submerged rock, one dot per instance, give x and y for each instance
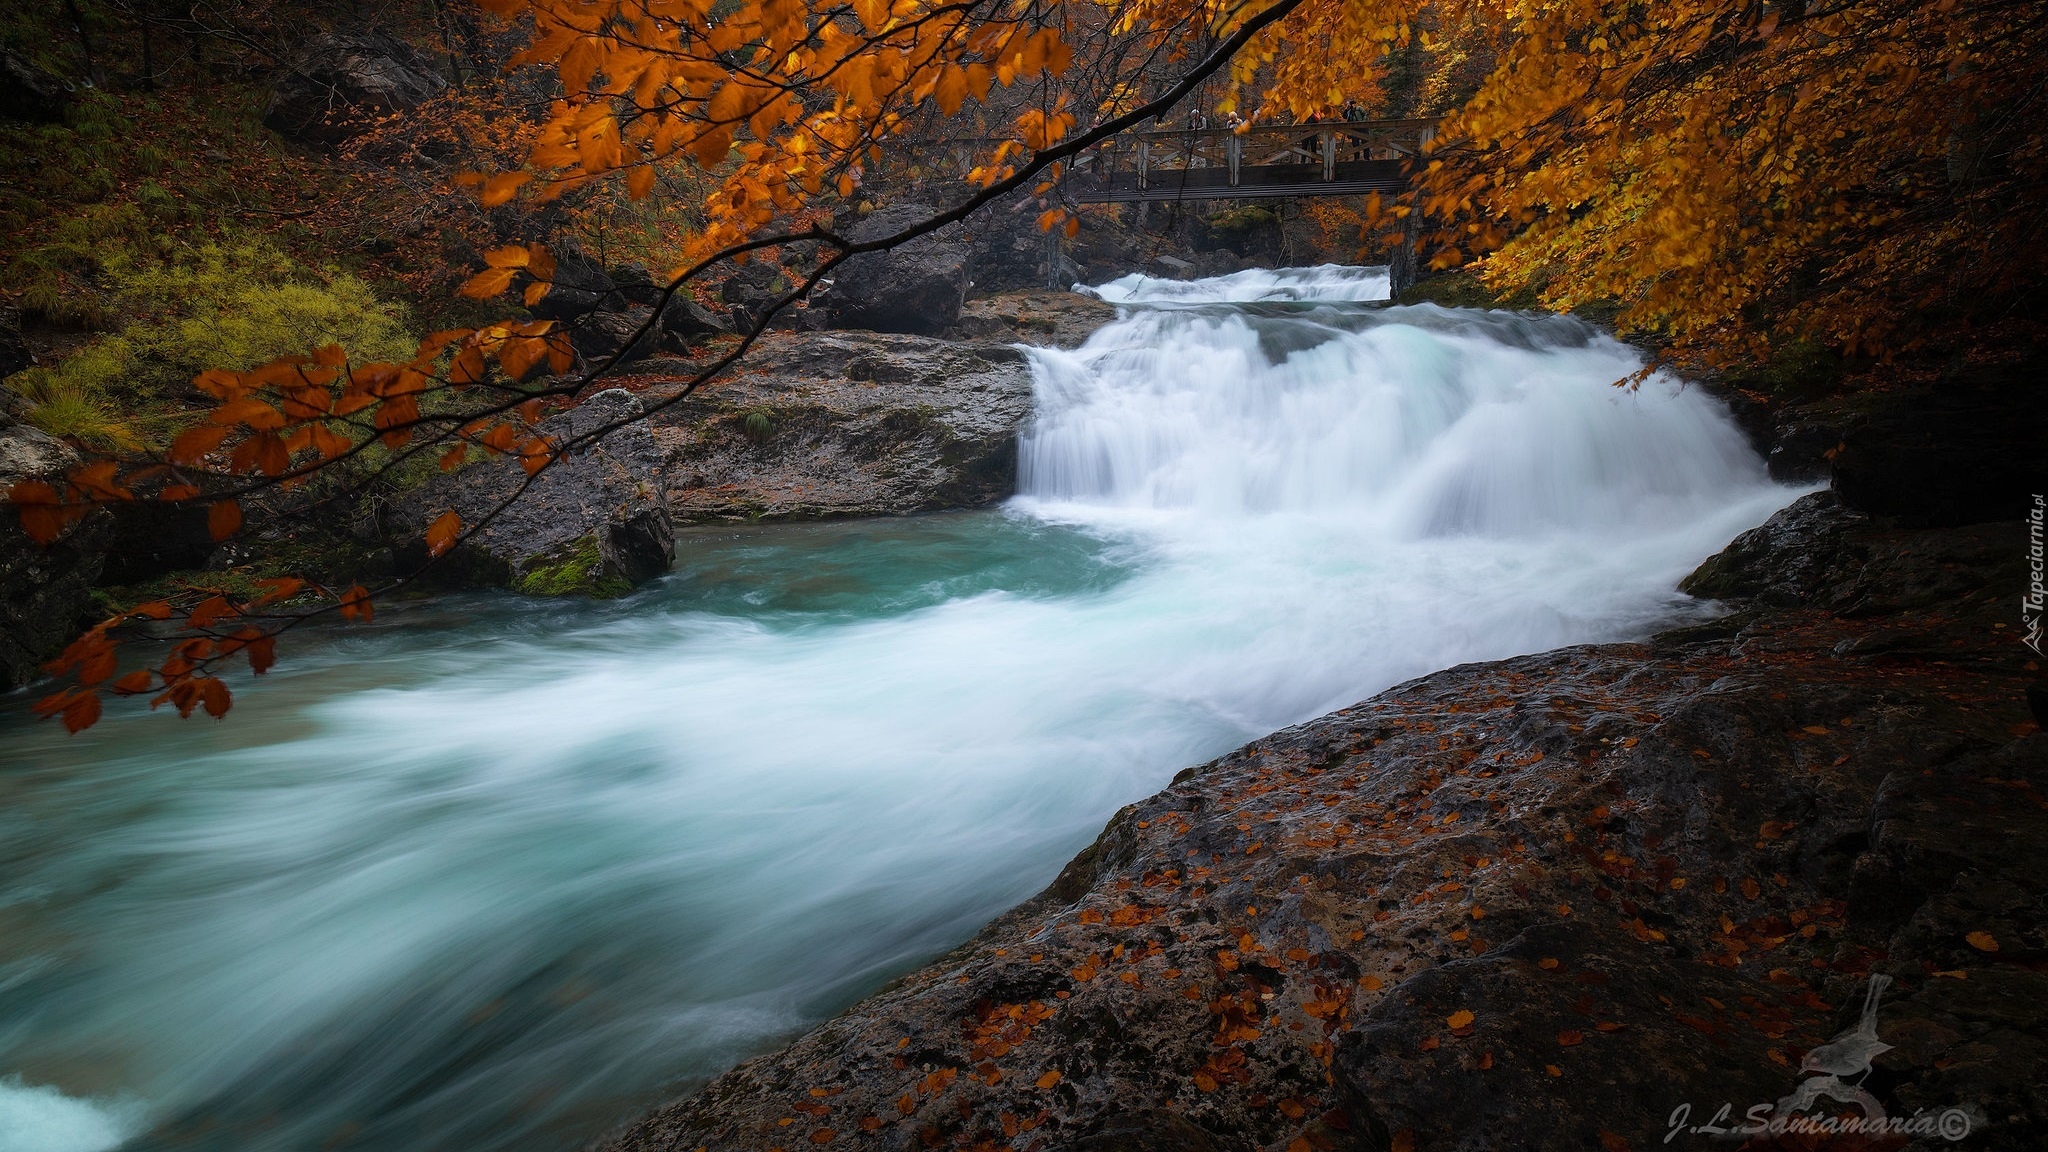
(595, 523)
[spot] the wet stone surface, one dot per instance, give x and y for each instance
(840, 424)
(1537, 903)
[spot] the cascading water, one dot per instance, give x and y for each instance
(491, 874)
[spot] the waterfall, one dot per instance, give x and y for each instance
(1407, 422)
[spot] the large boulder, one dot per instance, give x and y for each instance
(599, 336)
(843, 424)
(29, 93)
(606, 309)
(917, 286)
(578, 287)
(595, 523)
(684, 320)
(340, 84)
(45, 593)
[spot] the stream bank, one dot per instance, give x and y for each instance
(1545, 902)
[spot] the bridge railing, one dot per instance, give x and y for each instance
(1140, 157)
(1325, 144)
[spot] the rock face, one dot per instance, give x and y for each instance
(14, 351)
(848, 424)
(1058, 319)
(1965, 453)
(595, 523)
(1545, 903)
(339, 84)
(605, 311)
(29, 93)
(915, 287)
(45, 593)
(599, 336)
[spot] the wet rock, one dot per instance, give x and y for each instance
(1577, 1035)
(916, 287)
(45, 592)
(146, 540)
(340, 84)
(1785, 560)
(578, 288)
(605, 309)
(1802, 451)
(1817, 552)
(1537, 903)
(750, 291)
(848, 424)
(594, 523)
(1059, 319)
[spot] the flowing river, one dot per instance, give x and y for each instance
(492, 873)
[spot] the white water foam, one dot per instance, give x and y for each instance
(1326, 282)
(39, 1118)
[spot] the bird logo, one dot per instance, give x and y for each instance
(1847, 1055)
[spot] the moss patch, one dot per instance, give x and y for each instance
(1464, 290)
(574, 569)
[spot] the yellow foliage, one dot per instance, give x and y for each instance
(1715, 170)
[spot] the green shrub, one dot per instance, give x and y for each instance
(69, 410)
(232, 307)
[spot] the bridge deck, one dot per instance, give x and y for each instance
(1355, 178)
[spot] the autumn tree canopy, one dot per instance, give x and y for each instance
(1860, 173)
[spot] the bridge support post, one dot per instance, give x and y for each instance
(1401, 264)
(1329, 157)
(1144, 161)
(1233, 152)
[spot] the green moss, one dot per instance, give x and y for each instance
(1463, 289)
(334, 560)
(1244, 218)
(574, 569)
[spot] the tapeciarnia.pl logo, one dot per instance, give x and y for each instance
(2031, 604)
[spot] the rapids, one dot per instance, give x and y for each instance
(493, 873)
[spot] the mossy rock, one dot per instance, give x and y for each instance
(577, 568)
(1244, 219)
(1463, 289)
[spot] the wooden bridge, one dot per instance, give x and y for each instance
(1333, 158)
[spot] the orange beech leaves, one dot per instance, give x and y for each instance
(1861, 173)
(278, 425)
